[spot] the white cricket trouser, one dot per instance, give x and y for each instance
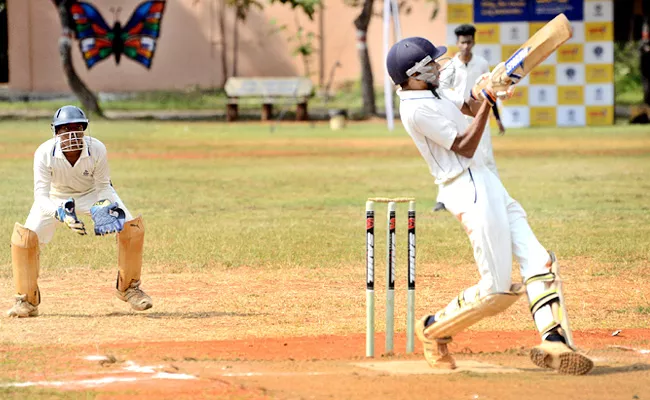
(497, 228)
(44, 224)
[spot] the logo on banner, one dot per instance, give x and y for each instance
(514, 33)
(515, 116)
(598, 30)
(486, 54)
(541, 96)
(598, 10)
(598, 52)
(570, 73)
(572, 116)
(599, 94)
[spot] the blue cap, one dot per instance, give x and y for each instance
(406, 53)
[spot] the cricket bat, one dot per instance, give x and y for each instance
(532, 53)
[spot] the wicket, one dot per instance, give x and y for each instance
(390, 274)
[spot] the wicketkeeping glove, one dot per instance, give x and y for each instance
(66, 214)
(108, 217)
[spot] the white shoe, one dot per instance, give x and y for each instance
(135, 296)
(22, 308)
(435, 350)
(560, 357)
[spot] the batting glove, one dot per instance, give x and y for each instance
(108, 217)
(66, 214)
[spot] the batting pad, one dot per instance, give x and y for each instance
(130, 242)
(471, 313)
(25, 263)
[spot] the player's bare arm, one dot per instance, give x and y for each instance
(466, 143)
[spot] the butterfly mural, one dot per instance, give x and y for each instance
(136, 40)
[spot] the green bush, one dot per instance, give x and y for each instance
(627, 73)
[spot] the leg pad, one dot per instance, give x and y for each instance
(25, 263)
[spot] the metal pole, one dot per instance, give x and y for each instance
(370, 279)
(390, 278)
(410, 313)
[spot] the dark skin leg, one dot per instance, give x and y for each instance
(71, 156)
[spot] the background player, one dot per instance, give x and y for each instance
(71, 174)
(465, 68)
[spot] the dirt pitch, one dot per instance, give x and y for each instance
(236, 342)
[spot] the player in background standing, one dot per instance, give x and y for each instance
(495, 223)
(71, 175)
(466, 67)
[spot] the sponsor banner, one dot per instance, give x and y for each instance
(543, 116)
(542, 95)
(600, 115)
(546, 10)
(515, 117)
(600, 73)
(599, 53)
(578, 32)
(487, 33)
(570, 53)
(501, 11)
(570, 95)
(514, 33)
(599, 95)
(571, 74)
(542, 75)
(599, 32)
(491, 52)
(571, 116)
(519, 97)
(460, 13)
(601, 11)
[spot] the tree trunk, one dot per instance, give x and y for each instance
(86, 97)
(235, 45)
(367, 82)
(224, 47)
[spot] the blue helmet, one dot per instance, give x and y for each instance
(408, 52)
(69, 115)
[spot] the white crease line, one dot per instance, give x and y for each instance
(251, 374)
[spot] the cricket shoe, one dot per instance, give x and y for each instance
(22, 308)
(560, 357)
(135, 296)
(435, 350)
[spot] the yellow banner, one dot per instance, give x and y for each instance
(487, 34)
(599, 73)
(543, 75)
(543, 116)
(597, 115)
(570, 53)
(460, 13)
(519, 97)
(509, 49)
(599, 32)
(570, 95)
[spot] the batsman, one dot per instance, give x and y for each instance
(496, 223)
(71, 176)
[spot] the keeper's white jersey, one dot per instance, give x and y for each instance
(54, 177)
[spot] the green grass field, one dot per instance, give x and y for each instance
(256, 232)
(220, 196)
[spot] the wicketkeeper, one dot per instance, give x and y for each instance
(71, 176)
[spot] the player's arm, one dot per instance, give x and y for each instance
(102, 173)
(466, 143)
(42, 183)
(471, 107)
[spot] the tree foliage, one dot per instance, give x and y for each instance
(309, 7)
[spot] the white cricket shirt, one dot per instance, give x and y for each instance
(54, 176)
(465, 75)
(433, 124)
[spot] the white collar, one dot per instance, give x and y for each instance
(414, 94)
